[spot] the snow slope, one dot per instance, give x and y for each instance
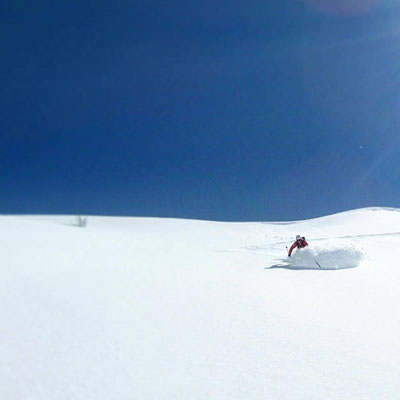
(142, 308)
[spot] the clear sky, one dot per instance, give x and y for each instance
(226, 110)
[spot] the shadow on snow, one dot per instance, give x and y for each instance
(305, 268)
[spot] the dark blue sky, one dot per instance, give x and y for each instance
(227, 110)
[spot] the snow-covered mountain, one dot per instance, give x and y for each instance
(154, 309)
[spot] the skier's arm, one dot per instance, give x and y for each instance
(291, 249)
(305, 242)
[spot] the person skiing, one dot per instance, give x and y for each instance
(300, 243)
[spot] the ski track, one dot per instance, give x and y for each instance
(273, 246)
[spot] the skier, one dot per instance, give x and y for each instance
(300, 243)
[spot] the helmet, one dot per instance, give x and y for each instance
(298, 237)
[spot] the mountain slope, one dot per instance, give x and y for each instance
(177, 309)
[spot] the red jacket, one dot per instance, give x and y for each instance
(300, 244)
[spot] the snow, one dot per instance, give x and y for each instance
(331, 254)
(147, 308)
